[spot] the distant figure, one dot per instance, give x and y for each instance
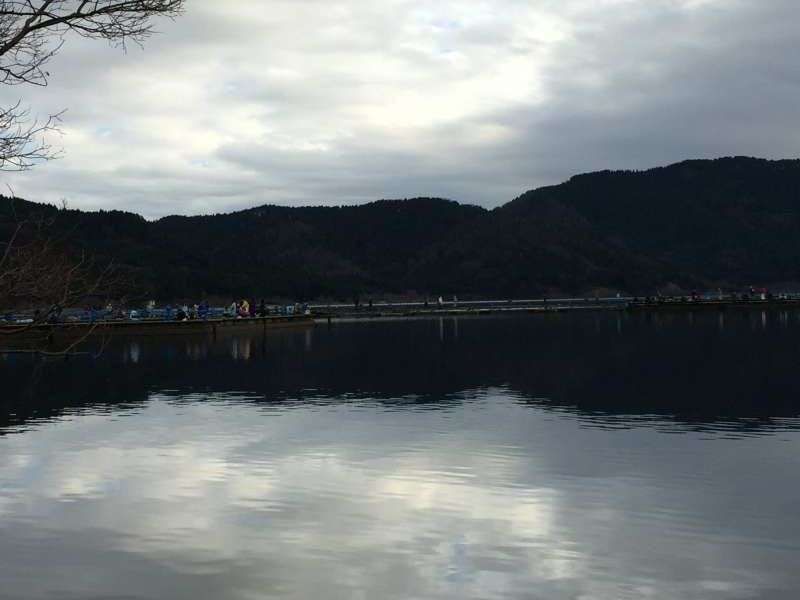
(244, 309)
(441, 301)
(233, 309)
(370, 303)
(55, 315)
(193, 312)
(262, 308)
(181, 314)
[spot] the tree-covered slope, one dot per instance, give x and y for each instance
(732, 219)
(728, 222)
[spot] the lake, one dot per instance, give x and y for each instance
(593, 455)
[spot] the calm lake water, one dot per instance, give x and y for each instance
(580, 456)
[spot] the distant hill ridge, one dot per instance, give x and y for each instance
(726, 222)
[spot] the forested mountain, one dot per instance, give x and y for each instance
(728, 222)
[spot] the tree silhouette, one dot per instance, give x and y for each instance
(33, 32)
(38, 269)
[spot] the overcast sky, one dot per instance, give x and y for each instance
(296, 102)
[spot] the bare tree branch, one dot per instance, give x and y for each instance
(38, 272)
(32, 32)
(40, 275)
(23, 140)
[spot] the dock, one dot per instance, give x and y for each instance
(152, 327)
(459, 308)
(683, 304)
(543, 306)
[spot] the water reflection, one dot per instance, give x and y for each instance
(217, 496)
(478, 458)
(240, 348)
(716, 368)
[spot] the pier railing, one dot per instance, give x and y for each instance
(477, 306)
(450, 306)
(72, 315)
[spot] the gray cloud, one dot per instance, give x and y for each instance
(247, 102)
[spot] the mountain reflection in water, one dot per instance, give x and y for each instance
(695, 369)
(457, 458)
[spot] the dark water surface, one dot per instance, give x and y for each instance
(581, 456)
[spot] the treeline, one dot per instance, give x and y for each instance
(697, 224)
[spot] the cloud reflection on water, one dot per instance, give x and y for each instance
(213, 497)
(597, 456)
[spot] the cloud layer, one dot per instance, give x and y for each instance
(248, 102)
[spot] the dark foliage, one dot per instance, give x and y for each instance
(727, 222)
